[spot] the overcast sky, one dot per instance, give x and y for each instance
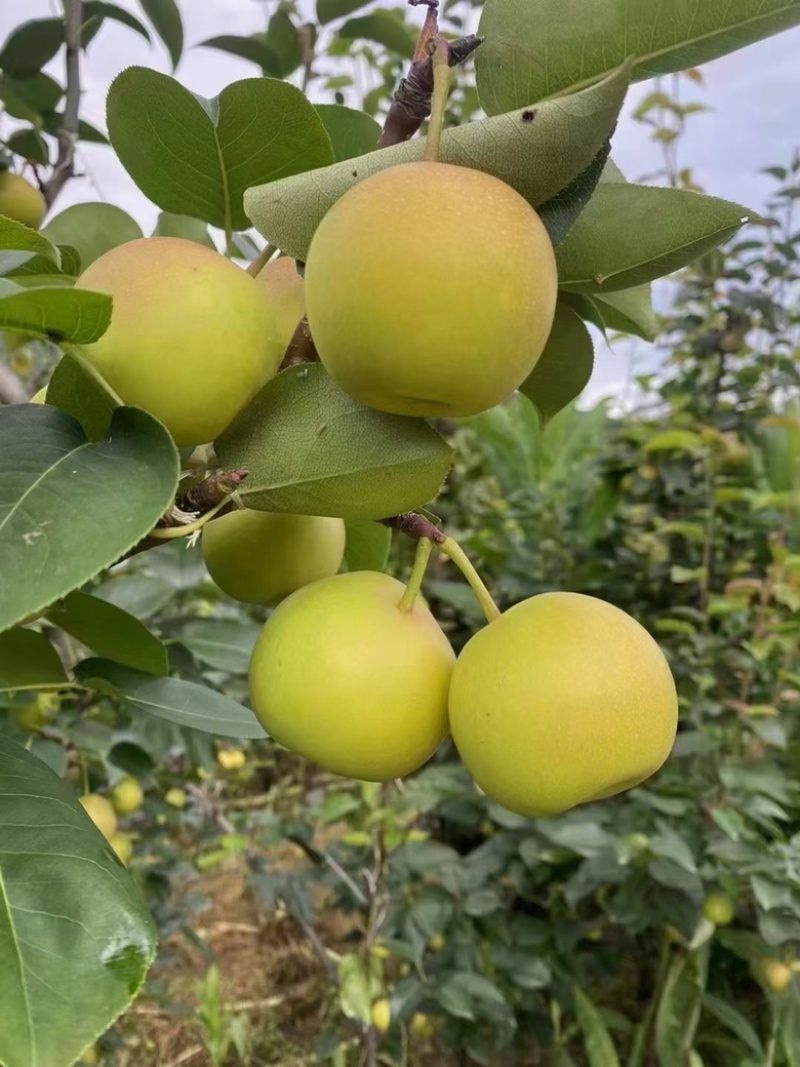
(753, 94)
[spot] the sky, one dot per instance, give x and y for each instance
(753, 97)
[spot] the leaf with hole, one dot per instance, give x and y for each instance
(69, 507)
(312, 450)
(193, 156)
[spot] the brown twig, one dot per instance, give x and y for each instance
(205, 496)
(430, 28)
(301, 347)
(68, 131)
(415, 526)
(412, 101)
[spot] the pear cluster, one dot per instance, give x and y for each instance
(562, 700)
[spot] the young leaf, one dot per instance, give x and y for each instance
(538, 151)
(564, 368)
(600, 1049)
(28, 661)
(367, 546)
(110, 632)
(196, 157)
(19, 244)
(352, 133)
(73, 390)
(165, 17)
(631, 234)
(92, 229)
(527, 55)
(179, 702)
(312, 450)
(30, 46)
(680, 1006)
(77, 939)
(71, 508)
(56, 314)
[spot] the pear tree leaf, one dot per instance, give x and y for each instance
(626, 311)
(92, 229)
(30, 46)
(383, 28)
(69, 508)
(680, 1007)
(19, 244)
(312, 450)
(56, 314)
(528, 55)
(597, 1041)
(28, 661)
(165, 18)
(76, 938)
(352, 133)
(367, 545)
(328, 10)
(183, 703)
(184, 226)
(628, 235)
(73, 390)
(193, 156)
(110, 632)
(223, 644)
(564, 368)
(538, 151)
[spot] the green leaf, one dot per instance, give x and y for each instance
(96, 11)
(352, 133)
(561, 211)
(77, 393)
(71, 508)
(367, 545)
(19, 244)
(30, 145)
(30, 46)
(254, 48)
(184, 226)
(28, 661)
(680, 1007)
(196, 157)
(627, 311)
(56, 314)
(535, 51)
(674, 440)
(312, 450)
(93, 229)
(141, 595)
(110, 632)
(735, 1022)
(383, 28)
(76, 938)
(564, 368)
(28, 98)
(283, 40)
(222, 644)
(597, 1041)
(631, 234)
(328, 10)
(166, 19)
(537, 151)
(183, 703)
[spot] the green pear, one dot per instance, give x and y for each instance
(343, 676)
(188, 339)
(259, 557)
(430, 290)
(563, 700)
(21, 201)
(127, 796)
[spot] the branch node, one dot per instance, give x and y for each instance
(415, 526)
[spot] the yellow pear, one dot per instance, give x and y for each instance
(127, 796)
(188, 334)
(123, 846)
(101, 811)
(563, 700)
(284, 291)
(381, 1015)
(21, 201)
(346, 678)
(259, 557)
(430, 290)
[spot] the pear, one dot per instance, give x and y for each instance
(284, 292)
(21, 201)
(127, 796)
(101, 811)
(188, 339)
(343, 676)
(563, 700)
(259, 557)
(430, 290)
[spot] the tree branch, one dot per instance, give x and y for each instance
(68, 132)
(415, 526)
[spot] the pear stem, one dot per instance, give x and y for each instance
(456, 553)
(442, 79)
(169, 533)
(261, 260)
(93, 372)
(424, 549)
